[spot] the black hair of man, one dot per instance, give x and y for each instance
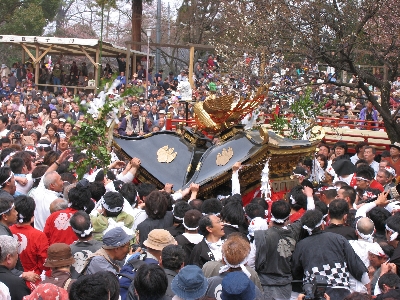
(80, 221)
(196, 204)
(173, 257)
(5, 173)
(361, 162)
(379, 215)
(150, 282)
(254, 210)
(128, 191)
(25, 206)
(359, 145)
(300, 200)
(5, 204)
(341, 144)
(113, 200)
(330, 194)
(322, 207)
(97, 190)
(180, 208)
(144, 189)
(312, 218)
(350, 192)
(233, 213)
(261, 201)
(192, 218)
(16, 127)
(79, 197)
(205, 222)
(89, 287)
(68, 176)
(280, 209)
(391, 280)
(4, 120)
(112, 283)
(366, 172)
(338, 208)
(16, 165)
(156, 205)
(5, 152)
(211, 206)
(394, 223)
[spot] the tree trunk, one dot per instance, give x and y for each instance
(137, 9)
(392, 128)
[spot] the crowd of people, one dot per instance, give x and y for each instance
(108, 236)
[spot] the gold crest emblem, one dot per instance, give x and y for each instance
(224, 156)
(166, 154)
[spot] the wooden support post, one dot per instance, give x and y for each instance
(89, 57)
(98, 69)
(191, 64)
(134, 69)
(23, 55)
(128, 61)
(37, 65)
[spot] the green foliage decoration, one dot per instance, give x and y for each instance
(304, 115)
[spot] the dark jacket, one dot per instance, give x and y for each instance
(149, 224)
(395, 258)
(176, 230)
(274, 249)
(16, 285)
(346, 231)
(169, 294)
(327, 254)
(201, 254)
(4, 230)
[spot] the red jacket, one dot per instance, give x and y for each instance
(58, 229)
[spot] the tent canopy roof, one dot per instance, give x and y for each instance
(67, 46)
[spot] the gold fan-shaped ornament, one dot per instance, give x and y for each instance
(224, 156)
(166, 154)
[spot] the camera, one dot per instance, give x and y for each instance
(17, 135)
(316, 289)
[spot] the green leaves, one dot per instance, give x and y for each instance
(92, 140)
(26, 17)
(304, 114)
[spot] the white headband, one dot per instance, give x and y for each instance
(292, 200)
(85, 232)
(280, 221)
(188, 228)
(5, 160)
(43, 145)
(115, 209)
(6, 211)
(394, 234)
(9, 177)
(310, 230)
(367, 237)
(227, 266)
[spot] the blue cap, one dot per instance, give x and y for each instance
(115, 238)
(190, 283)
(236, 285)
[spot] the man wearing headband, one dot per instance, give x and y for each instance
(190, 237)
(9, 217)
(85, 245)
(274, 248)
(393, 238)
(7, 184)
(338, 213)
(336, 259)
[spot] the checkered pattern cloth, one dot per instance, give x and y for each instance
(337, 274)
